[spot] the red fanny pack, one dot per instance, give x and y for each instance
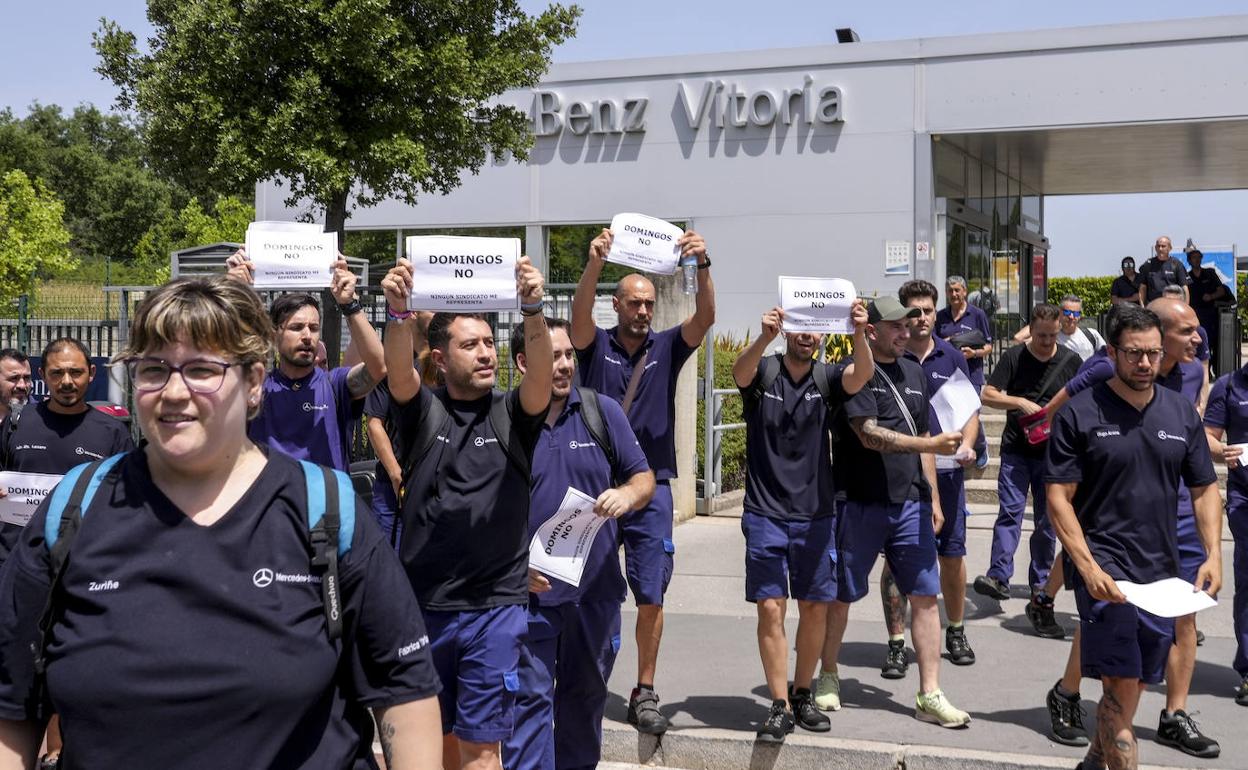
(1035, 426)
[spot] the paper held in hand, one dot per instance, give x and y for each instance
(562, 543)
(463, 274)
(1170, 598)
(23, 492)
(291, 255)
(817, 305)
(645, 243)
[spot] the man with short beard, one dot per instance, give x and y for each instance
(638, 367)
(15, 381)
(790, 505)
(1120, 524)
(468, 451)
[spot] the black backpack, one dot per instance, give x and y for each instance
(770, 368)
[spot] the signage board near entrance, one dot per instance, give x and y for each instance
(896, 257)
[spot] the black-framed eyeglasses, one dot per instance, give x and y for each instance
(201, 375)
(1135, 355)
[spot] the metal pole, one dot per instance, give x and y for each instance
(709, 436)
(23, 325)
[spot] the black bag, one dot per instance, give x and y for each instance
(972, 339)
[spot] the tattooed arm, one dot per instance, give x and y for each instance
(885, 440)
(411, 735)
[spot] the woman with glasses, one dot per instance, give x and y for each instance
(188, 626)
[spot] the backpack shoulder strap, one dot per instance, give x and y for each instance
(509, 441)
(591, 415)
(822, 383)
(433, 421)
(769, 370)
(331, 528)
(1091, 340)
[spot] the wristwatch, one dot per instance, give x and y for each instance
(351, 308)
(707, 263)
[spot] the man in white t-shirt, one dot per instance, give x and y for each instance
(1078, 339)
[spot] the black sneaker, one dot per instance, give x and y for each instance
(778, 724)
(1065, 718)
(990, 586)
(1241, 693)
(960, 652)
(805, 713)
(1179, 731)
(643, 712)
(1040, 613)
(895, 663)
(1200, 638)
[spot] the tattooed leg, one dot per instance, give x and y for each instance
(1115, 737)
(894, 603)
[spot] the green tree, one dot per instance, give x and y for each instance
(33, 240)
(192, 226)
(386, 98)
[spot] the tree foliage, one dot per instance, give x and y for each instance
(192, 226)
(392, 98)
(33, 240)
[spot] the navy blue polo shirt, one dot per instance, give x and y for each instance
(973, 319)
(183, 645)
(310, 418)
(50, 442)
(567, 456)
(606, 367)
(788, 468)
(938, 367)
(1128, 506)
(1228, 409)
(867, 476)
(465, 508)
(1021, 374)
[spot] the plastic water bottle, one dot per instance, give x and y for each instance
(689, 274)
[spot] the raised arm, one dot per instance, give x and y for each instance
(371, 370)
(411, 735)
(403, 378)
(239, 267)
(746, 365)
(697, 325)
(535, 388)
(583, 328)
(862, 369)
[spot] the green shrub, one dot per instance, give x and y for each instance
(732, 443)
(1093, 290)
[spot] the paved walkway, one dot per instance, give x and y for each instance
(711, 680)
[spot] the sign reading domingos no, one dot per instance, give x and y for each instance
(714, 101)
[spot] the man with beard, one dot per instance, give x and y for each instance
(15, 380)
(940, 361)
(574, 631)
(790, 506)
(638, 367)
(468, 450)
(885, 467)
(308, 412)
(1119, 524)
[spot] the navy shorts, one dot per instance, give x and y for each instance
(903, 531)
(789, 558)
(1121, 640)
(648, 547)
(477, 655)
(951, 539)
(1191, 549)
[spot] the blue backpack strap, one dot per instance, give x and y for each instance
(331, 527)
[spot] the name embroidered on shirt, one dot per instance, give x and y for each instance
(1109, 432)
(773, 396)
(103, 585)
(611, 360)
(415, 646)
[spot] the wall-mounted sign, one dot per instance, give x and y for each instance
(896, 257)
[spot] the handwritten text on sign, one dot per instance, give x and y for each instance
(291, 255)
(463, 274)
(817, 305)
(645, 243)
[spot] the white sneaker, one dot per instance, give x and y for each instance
(935, 707)
(828, 691)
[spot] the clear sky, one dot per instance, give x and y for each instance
(47, 57)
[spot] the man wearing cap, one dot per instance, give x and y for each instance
(886, 468)
(1024, 381)
(1126, 287)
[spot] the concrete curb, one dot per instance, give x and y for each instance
(717, 749)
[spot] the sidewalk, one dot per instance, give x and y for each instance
(711, 680)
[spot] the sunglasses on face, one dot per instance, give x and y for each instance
(1073, 313)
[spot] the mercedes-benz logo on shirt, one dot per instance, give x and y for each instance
(478, 441)
(307, 406)
(263, 577)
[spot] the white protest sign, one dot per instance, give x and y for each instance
(645, 243)
(23, 492)
(1241, 462)
(291, 255)
(562, 543)
(954, 404)
(1170, 598)
(463, 274)
(817, 305)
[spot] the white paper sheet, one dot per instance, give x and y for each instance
(23, 494)
(1242, 460)
(644, 243)
(562, 543)
(817, 305)
(291, 255)
(1169, 598)
(463, 274)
